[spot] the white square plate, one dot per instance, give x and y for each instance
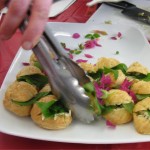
(133, 46)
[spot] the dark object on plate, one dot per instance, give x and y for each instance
(132, 11)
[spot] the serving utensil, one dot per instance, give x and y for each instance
(65, 76)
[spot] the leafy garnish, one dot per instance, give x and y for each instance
(117, 52)
(148, 111)
(109, 70)
(121, 67)
(50, 109)
(105, 94)
(92, 36)
(32, 100)
(89, 88)
(128, 107)
(142, 96)
(90, 91)
(35, 79)
(38, 65)
(147, 78)
(96, 75)
(108, 109)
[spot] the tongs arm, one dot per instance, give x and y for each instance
(63, 84)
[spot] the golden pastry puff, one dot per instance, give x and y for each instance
(141, 116)
(19, 92)
(59, 121)
(119, 115)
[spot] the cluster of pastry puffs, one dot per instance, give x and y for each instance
(116, 102)
(22, 98)
(138, 75)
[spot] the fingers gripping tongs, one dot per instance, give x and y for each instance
(65, 76)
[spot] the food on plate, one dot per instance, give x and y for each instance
(141, 89)
(116, 82)
(50, 113)
(141, 116)
(137, 68)
(33, 59)
(118, 107)
(19, 92)
(107, 62)
(46, 88)
(88, 67)
(32, 75)
(113, 90)
(28, 70)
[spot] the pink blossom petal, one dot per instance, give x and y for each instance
(88, 55)
(70, 56)
(81, 60)
(110, 124)
(132, 94)
(89, 44)
(25, 63)
(76, 35)
(98, 91)
(119, 35)
(113, 38)
(67, 49)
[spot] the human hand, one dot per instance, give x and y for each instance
(15, 15)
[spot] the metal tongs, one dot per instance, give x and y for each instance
(65, 76)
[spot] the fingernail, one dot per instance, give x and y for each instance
(27, 45)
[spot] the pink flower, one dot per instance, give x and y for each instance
(88, 55)
(89, 44)
(125, 86)
(70, 56)
(118, 36)
(110, 124)
(98, 91)
(76, 35)
(25, 63)
(81, 60)
(105, 82)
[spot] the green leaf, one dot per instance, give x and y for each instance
(109, 70)
(136, 75)
(142, 96)
(88, 36)
(117, 53)
(49, 109)
(128, 107)
(63, 44)
(108, 109)
(96, 75)
(121, 67)
(81, 46)
(44, 106)
(38, 65)
(35, 79)
(92, 36)
(105, 94)
(96, 35)
(89, 87)
(148, 111)
(32, 100)
(147, 78)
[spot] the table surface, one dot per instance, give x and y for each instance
(78, 12)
